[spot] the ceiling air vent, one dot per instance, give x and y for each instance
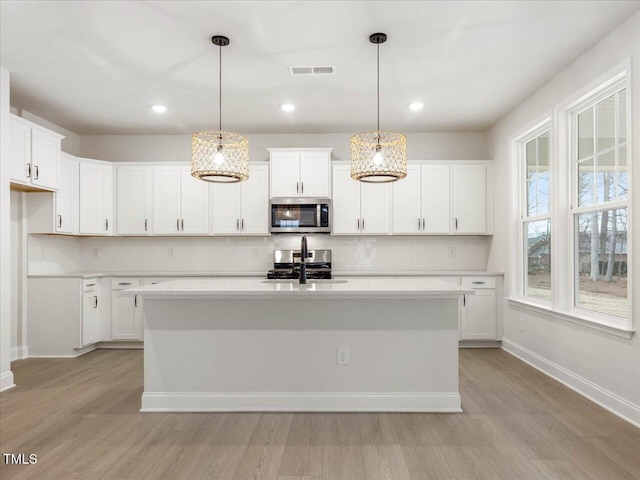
(320, 70)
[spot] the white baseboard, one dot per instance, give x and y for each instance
(6, 381)
(77, 352)
(300, 402)
(606, 399)
(123, 345)
(19, 353)
(479, 343)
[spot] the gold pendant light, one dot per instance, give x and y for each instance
(378, 156)
(219, 156)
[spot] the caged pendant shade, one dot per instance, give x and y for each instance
(378, 156)
(219, 156)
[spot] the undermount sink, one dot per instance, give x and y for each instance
(323, 280)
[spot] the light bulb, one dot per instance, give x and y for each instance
(218, 158)
(377, 158)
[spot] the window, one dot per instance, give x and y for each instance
(536, 215)
(599, 213)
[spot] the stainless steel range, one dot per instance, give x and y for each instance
(286, 265)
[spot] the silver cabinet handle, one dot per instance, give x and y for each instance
(456, 223)
(242, 224)
(182, 224)
(124, 283)
(237, 224)
(36, 172)
(178, 224)
(95, 298)
(106, 224)
(297, 187)
(59, 221)
(418, 224)
(478, 283)
(464, 300)
(302, 187)
(423, 223)
(28, 170)
(358, 224)
(146, 224)
(135, 300)
(91, 284)
(363, 224)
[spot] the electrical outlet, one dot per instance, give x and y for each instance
(452, 251)
(94, 253)
(343, 356)
(170, 252)
(523, 325)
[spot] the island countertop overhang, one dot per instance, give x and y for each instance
(347, 287)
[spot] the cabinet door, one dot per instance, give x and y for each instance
(67, 197)
(285, 174)
(195, 204)
(96, 198)
(314, 174)
(134, 199)
(469, 199)
(436, 199)
(45, 157)
(125, 317)
(225, 207)
(255, 202)
(90, 318)
(166, 199)
(407, 214)
(479, 316)
(375, 208)
(346, 202)
(20, 151)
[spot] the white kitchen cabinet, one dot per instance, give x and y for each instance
(478, 312)
(180, 201)
(436, 207)
(125, 313)
(470, 199)
(96, 197)
(358, 207)
(90, 319)
(134, 199)
(34, 154)
(67, 198)
(407, 203)
(242, 208)
(300, 172)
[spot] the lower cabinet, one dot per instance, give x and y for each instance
(478, 312)
(90, 319)
(125, 314)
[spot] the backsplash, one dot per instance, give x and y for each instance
(56, 254)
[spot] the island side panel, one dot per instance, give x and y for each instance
(216, 354)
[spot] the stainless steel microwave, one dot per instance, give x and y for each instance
(300, 215)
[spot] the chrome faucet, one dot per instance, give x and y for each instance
(304, 253)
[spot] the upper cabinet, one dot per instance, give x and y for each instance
(180, 202)
(68, 196)
(34, 155)
(300, 172)
(242, 208)
(96, 197)
(359, 208)
(472, 195)
(134, 199)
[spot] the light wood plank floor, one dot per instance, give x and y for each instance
(81, 418)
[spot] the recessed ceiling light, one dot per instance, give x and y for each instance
(415, 106)
(288, 107)
(159, 108)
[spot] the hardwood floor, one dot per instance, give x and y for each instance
(80, 416)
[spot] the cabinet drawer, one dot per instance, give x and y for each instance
(89, 284)
(124, 283)
(479, 282)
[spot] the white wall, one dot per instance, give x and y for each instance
(604, 366)
(177, 148)
(49, 254)
(6, 375)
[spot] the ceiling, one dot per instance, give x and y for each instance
(96, 67)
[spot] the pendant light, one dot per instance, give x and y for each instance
(219, 156)
(378, 156)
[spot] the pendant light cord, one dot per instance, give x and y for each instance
(378, 86)
(220, 88)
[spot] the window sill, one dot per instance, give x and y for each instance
(573, 317)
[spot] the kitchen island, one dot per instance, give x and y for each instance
(350, 344)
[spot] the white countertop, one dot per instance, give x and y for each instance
(336, 273)
(344, 287)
